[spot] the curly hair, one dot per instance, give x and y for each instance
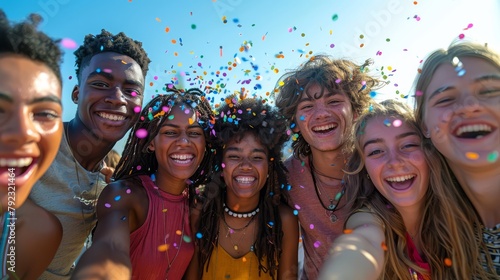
(24, 39)
(107, 42)
(235, 119)
(154, 114)
(444, 227)
(332, 75)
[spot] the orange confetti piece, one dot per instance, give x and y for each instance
(178, 232)
(384, 246)
(151, 84)
(244, 259)
(472, 155)
(174, 41)
(415, 2)
(167, 29)
(448, 262)
(191, 121)
(347, 231)
(163, 247)
(362, 45)
(164, 210)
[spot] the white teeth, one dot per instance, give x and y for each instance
(245, 180)
(182, 157)
(324, 127)
(400, 178)
(473, 128)
(15, 162)
(111, 116)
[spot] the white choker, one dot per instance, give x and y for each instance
(240, 215)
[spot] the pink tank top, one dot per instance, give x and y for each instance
(162, 247)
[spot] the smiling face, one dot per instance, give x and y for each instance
(245, 168)
(323, 121)
(180, 144)
(462, 113)
(30, 124)
(395, 161)
(111, 86)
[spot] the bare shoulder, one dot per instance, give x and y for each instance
(37, 231)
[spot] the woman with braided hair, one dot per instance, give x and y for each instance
(144, 229)
(244, 232)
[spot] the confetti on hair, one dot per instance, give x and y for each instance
(141, 133)
(384, 246)
(448, 262)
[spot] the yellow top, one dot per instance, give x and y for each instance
(223, 266)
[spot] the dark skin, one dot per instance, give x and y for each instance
(109, 255)
(34, 252)
(110, 87)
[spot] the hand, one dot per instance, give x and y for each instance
(107, 172)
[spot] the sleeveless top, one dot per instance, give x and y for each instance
(162, 247)
(223, 266)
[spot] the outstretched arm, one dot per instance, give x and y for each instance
(359, 252)
(108, 257)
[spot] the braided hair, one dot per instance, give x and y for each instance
(136, 159)
(235, 119)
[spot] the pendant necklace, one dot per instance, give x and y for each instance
(231, 230)
(165, 246)
(334, 202)
(89, 202)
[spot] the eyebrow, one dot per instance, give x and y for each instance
(111, 77)
(6, 97)
(46, 99)
(49, 98)
(399, 136)
(477, 80)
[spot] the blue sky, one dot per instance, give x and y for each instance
(265, 38)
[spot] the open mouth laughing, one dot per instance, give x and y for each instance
(473, 131)
(325, 128)
(401, 182)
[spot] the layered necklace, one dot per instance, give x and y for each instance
(334, 201)
(165, 247)
(89, 202)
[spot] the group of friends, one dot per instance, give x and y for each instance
(373, 190)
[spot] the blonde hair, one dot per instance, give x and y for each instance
(447, 228)
(422, 81)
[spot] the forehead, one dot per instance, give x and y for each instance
(248, 140)
(22, 77)
(446, 76)
(181, 112)
(384, 127)
(113, 63)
